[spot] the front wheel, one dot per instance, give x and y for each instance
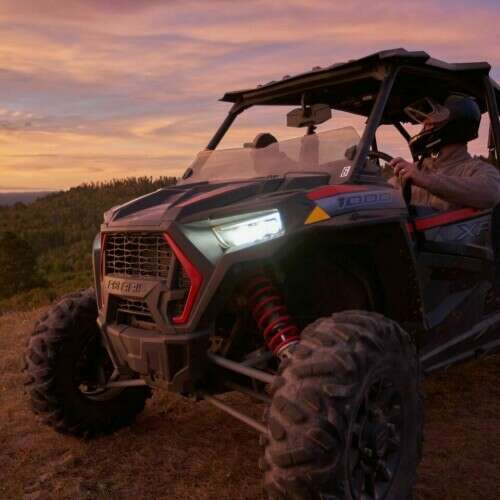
(345, 420)
(68, 367)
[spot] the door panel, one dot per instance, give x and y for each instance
(455, 259)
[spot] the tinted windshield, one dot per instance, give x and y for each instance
(321, 152)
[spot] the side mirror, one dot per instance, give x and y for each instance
(309, 115)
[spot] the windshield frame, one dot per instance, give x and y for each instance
(387, 80)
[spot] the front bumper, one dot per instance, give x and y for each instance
(142, 333)
(174, 362)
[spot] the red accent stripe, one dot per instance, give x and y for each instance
(423, 224)
(325, 191)
(194, 275)
(101, 266)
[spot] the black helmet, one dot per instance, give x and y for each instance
(454, 122)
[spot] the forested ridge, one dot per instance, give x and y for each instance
(45, 247)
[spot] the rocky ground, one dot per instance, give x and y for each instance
(181, 450)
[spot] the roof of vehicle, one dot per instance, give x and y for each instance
(352, 86)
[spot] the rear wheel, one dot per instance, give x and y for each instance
(68, 367)
(346, 416)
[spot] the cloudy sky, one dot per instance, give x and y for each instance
(96, 89)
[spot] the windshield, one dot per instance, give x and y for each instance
(323, 152)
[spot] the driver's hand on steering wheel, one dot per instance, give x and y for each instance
(405, 170)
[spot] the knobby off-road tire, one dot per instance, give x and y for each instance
(64, 344)
(346, 415)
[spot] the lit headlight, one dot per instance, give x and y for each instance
(256, 229)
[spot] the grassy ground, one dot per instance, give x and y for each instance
(181, 450)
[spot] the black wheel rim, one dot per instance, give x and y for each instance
(375, 443)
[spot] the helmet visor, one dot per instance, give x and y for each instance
(427, 111)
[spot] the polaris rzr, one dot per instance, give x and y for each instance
(291, 271)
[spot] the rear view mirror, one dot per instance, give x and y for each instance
(308, 116)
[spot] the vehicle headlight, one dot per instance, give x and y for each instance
(260, 227)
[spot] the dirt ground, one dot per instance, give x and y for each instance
(181, 450)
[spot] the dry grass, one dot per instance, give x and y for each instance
(182, 450)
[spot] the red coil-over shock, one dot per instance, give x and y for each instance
(271, 315)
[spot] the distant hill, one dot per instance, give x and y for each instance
(9, 199)
(58, 230)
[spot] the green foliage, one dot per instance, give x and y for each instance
(48, 248)
(17, 265)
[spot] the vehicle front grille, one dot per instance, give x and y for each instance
(137, 254)
(135, 308)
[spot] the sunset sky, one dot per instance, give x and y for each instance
(96, 89)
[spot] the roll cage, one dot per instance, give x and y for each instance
(378, 87)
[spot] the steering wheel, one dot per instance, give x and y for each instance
(385, 170)
(388, 158)
(379, 155)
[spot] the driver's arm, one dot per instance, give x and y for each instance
(478, 188)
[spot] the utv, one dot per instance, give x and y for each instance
(294, 272)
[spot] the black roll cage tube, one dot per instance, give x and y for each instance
(494, 133)
(373, 122)
(235, 110)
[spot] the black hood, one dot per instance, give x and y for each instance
(201, 200)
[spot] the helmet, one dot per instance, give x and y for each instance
(454, 122)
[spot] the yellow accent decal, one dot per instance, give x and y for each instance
(317, 215)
